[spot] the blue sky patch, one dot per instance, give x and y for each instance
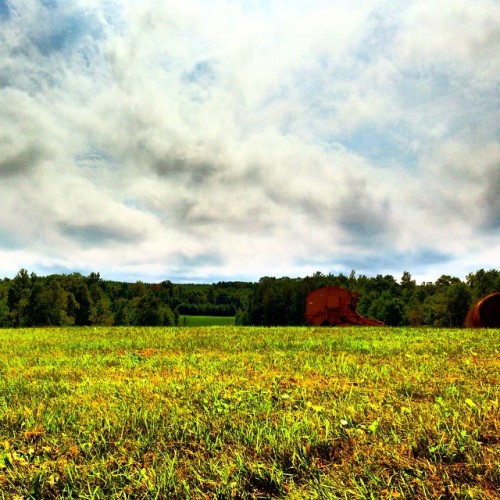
(96, 158)
(202, 72)
(66, 32)
(4, 10)
(50, 4)
(206, 259)
(378, 263)
(383, 146)
(10, 240)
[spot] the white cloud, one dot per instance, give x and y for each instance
(457, 38)
(185, 139)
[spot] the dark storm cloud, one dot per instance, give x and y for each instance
(192, 172)
(466, 188)
(351, 205)
(362, 216)
(491, 200)
(304, 204)
(21, 163)
(90, 235)
(25, 134)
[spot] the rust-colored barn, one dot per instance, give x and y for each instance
(485, 312)
(335, 306)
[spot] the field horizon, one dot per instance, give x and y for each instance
(249, 412)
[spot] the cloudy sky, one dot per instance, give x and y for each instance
(197, 140)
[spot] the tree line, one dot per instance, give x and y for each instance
(443, 303)
(74, 299)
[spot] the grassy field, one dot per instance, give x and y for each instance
(227, 412)
(185, 320)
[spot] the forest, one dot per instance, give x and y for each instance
(74, 299)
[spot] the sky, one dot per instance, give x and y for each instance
(200, 141)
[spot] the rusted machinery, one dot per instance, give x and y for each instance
(485, 312)
(335, 306)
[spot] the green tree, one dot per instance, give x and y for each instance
(100, 310)
(445, 281)
(392, 313)
(242, 317)
(48, 305)
(100, 305)
(122, 312)
(18, 297)
(415, 313)
(150, 311)
(459, 300)
(449, 305)
(4, 307)
(76, 284)
(483, 283)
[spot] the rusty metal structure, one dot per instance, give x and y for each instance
(335, 306)
(485, 313)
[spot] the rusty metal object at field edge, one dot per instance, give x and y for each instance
(335, 306)
(485, 313)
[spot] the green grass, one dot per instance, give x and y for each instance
(226, 412)
(185, 320)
